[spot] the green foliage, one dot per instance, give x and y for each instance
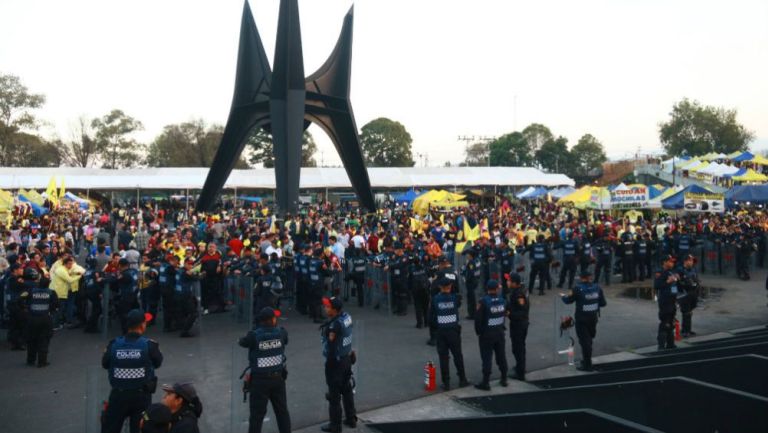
(188, 144)
(535, 136)
(476, 155)
(386, 143)
(16, 120)
(511, 150)
(699, 129)
(117, 149)
(554, 156)
(261, 146)
(82, 150)
(587, 155)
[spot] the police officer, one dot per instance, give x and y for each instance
(541, 256)
(666, 287)
(317, 272)
(505, 256)
(684, 244)
(489, 327)
(269, 287)
(585, 256)
(445, 319)
(570, 248)
(688, 296)
(419, 283)
(40, 303)
(92, 281)
(339, 357)
(444, 271)
(517, 307)
(472, 273)
(398, 274)
(127, 281)
(302, 278)
(185, 298)
(131, 361)
(266, 358)
(589, 299)
(17, 315)
(627, 242)
(643, 253)
(167, 271)
(357, 265)
(604, 255)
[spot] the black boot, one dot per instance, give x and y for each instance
(351, 422)
(331, 428)
(463, 381)
(31, 358)
(503, 382)
(484, 385)
(42, 359)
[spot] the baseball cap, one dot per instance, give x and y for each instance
(492, 285)
(267, 313)
(183, 390)
(137, 317)
(334, 302)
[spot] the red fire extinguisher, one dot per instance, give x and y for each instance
(429, 376)
(678, 337)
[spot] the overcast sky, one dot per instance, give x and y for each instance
(442, 68)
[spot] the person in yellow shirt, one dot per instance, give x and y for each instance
(65, 278)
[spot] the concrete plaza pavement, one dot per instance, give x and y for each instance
(391, 356)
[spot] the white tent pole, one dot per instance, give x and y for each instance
(186, 202)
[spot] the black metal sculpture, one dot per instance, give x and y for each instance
(283, 103)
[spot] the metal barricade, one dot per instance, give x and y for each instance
(522, 265)
(556, 266)
(378, 293)
(728, 258)
(460, 260)
(494, 271)
(697, 251)
(197, 291)
(709, 258)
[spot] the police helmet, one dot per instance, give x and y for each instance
(31, 274)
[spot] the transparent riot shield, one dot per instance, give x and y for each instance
(522, 266)
(96, 397)
(358, 345)
(556, 266)
(494, 270)
(243, 297)
(564, 340)
(106, 313)
(377, 279)
(709, 262)
(729, 259)
(197, 293)
(239, 396)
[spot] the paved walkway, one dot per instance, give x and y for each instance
(391, 353)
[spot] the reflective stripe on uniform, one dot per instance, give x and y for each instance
(443, 320)
(269, 361)
(129, 373)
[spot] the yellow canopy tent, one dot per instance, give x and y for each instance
(580, 195)
(709, 157)
(441, 199)
(587, 197)
(750, 176)
(734, 154)
(6, 201)
(759, 159)
(696, 168)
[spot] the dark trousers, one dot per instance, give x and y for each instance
(603, 267)
(268, 389)
(17, 322)
(169, 310)
(568, 270)
(39, 333)
(449, 342)
(586, 329)
(471, 298)
(338, 376)
(490, 345)
(643, 267)
(666, 335)
(628, 269)
(150, 297)
(518, 331)
(542, 271)
(359, 281)
(125, 404)
(92, 324)
(687, 305)
(315, 301)
(400, 296)
(301, 294)
(187, 312)
(421, 304)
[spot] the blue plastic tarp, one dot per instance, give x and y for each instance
(82, 202)
(654, 192)
(676, 201)
(741, 172)
(746, 193)
(407, 197)
(250, 199)
(746, 156)
(532, 193)
(36, 210)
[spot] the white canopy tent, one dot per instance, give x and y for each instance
(264, 178)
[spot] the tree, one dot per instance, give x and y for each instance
(33, 151)
(260, 143)
(16, 105)
(188, 144)
(476, 155)
(553, 155)
(536, 135)
(699, 129)
(511, 150)
(587, 155)
(82, 150)
(386, 143)
(117, 149)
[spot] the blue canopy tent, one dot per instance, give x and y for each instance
(676, 201)
(36, 209)
(407, 197)
(741, 172)
(753, 194)
(558, 193)
(532, 193)
(654, 192)
(250, 199)
(82, 202)
(746, 156)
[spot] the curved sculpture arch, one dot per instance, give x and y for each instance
(283, 102)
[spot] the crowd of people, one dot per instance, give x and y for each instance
(165, 260)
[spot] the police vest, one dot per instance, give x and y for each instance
(130, 366)
(90, 280)
(628, 244)
(315, 265)
(162, 277)
(539, 252)
(447, 311)
(342, 342)
(496, 309)
(183, 285)
(642, 248)
(684, 244)
(569, 248)
(127, 289)
(358, 264)
(586, 250)
(39, 301)
(587, 300)
(605, 250)
(506, 258)
(268, 355)
(303, 261)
